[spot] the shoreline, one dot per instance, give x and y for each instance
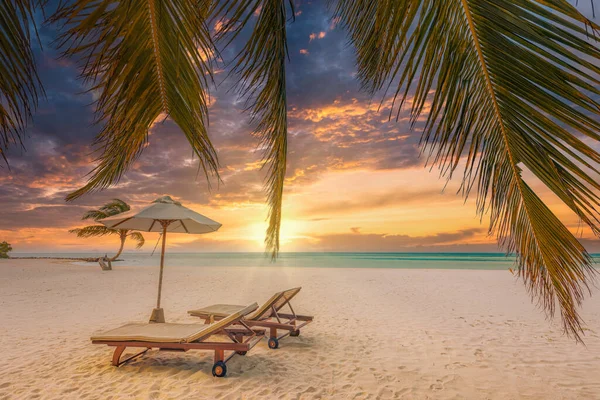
(85, 259)
(123, 263)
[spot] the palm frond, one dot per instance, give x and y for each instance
(507, 85)
(114, 207)
(19, 82)
(139, 238)
(146, 58)
(93, 231)
(95, 215)
(260, 66)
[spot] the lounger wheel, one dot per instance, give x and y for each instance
(273, 343)
(295, 333)
(242, 353)
(219, 369)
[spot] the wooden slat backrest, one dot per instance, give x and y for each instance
(277, 301)
(217, 326)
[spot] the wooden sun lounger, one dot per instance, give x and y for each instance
(267, 316)
(184, 337)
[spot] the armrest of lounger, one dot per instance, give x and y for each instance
(216, 311)
(296, 317)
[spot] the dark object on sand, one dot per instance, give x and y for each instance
(105, 263)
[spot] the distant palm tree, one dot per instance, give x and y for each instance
(5, 248)
(498, 87)
(111, 208)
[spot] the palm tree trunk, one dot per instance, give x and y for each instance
(123, 238)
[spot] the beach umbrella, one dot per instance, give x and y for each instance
(163, 215)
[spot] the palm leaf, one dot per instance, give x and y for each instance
(511, 85)
(146, 58)
(19, 82)
(260, 66)
(93, 231)
(114, 207)
(139, 238)
(95, 215)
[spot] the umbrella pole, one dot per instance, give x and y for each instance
(158, 314)
(162, 265)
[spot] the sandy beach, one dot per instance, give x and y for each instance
(377, 334)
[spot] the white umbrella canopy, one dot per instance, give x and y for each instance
(163, 215)
(181, 219)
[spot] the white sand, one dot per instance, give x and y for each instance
(415, 334)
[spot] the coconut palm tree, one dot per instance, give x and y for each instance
(109, 209)
(504, 86)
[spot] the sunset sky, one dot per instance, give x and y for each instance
(355, 179)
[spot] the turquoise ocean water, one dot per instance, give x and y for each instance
(483, 261)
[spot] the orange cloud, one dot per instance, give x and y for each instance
(314, 36)
(220, 25)
(333, 23)
(304, 51)
(338, 109)
(254, 166)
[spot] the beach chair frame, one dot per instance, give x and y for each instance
(274, 321)
(243, 338)
(290, 323)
